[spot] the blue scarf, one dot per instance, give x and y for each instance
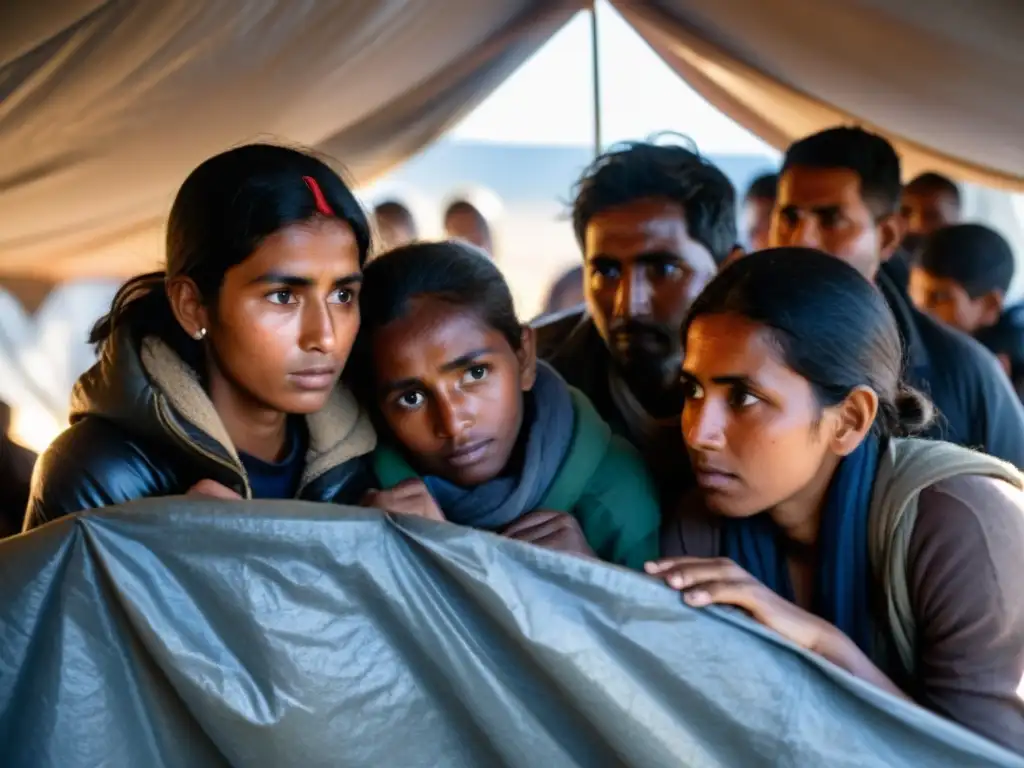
(545, 438)
(843, 578)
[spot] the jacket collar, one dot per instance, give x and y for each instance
(147, 389)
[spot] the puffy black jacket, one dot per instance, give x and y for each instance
(142, 426)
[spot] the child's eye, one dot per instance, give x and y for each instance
(411, 399)
(475, 373)
(343, 296)
(282, 296)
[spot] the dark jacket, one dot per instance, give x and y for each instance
(977, 406)
(1006, 339)
(602, 482)
(142, 426)
(570, 343)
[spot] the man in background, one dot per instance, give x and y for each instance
(566, 292)
(930, 201)
(839, 192)
(395, 224)
(464, 221)
(757, 211)
(654, 222)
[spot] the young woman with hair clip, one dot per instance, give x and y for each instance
(219, 376)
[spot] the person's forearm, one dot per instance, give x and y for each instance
(844, 653)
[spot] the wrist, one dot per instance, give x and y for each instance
(833, 645)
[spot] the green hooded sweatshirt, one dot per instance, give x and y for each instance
(602, 482)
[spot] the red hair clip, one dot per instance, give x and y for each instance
(318, 196)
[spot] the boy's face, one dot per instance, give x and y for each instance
(946, 300)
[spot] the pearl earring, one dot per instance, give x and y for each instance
(199, 335)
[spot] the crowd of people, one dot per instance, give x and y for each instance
(396, 225)
(791, 428)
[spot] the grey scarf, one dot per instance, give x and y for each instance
(545, 438)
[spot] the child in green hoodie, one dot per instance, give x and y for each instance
(478, 432)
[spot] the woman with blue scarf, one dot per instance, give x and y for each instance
(474, 429)
(899, 560)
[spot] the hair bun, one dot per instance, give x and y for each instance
(914, 411)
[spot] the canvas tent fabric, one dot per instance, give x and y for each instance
(107, 106)
(938, 79)
(177, 632)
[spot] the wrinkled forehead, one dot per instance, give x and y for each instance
(641, 228)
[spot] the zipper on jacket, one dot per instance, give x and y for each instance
(171, 424)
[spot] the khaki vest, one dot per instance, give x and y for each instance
(907, 467)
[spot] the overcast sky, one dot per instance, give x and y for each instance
(549, 100)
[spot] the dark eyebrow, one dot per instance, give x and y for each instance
(830, 210)
(467, 359)
(817, 210)
(657, 257)
(295, 281)
(647, 257)
(731, 379)
(452, 365)
(399, 385)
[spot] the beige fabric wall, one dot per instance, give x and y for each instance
(107, 106)
(941, 79)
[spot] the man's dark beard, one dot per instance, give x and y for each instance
(647, 355)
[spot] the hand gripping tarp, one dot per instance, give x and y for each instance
(270, 634)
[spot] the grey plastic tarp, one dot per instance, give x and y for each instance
(184, 633)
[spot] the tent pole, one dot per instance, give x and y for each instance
(595, 61)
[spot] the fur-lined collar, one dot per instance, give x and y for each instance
(139, 389)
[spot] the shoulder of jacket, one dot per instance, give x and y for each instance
(94, 453)
(89, 440)
(553, 331)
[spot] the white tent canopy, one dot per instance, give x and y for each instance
(107, 106)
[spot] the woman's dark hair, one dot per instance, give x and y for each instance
(832, 327)
(454, 272)
(223, 211)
